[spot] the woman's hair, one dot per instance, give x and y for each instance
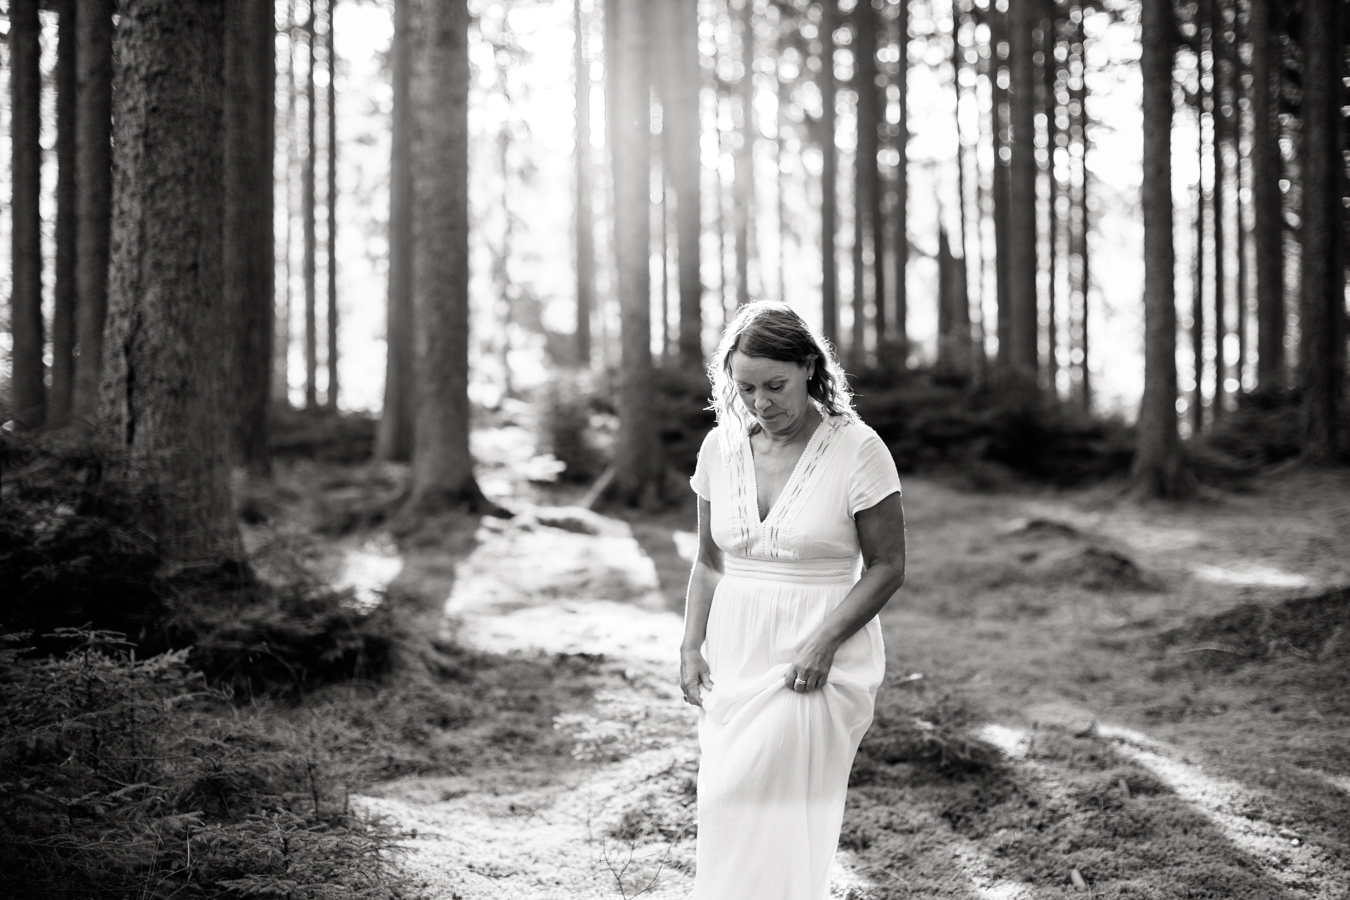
(774, 331)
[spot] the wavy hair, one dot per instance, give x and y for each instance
(774, 331)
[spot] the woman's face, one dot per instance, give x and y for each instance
(774, 392)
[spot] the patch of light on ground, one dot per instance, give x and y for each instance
(1220, 800)
(367, 569)
(1249, 573)
(686, 544)
(1340, 782)
(1012, 741)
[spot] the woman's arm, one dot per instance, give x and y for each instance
(695, 676)
(881, 533)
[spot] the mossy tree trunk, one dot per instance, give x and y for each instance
(1157, 469)
(62, 392)
(28, 397)
(682, 163)
(442, 470)
(167, 342)
(1268, 233)
(395, 436)
(1022, 232)
(1321, 362)
(248, 255)
(638, 466)
(93, 174)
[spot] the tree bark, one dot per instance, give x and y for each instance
(1269, 227)
(307, 213)
(870, 232)
(684, 168)
(394, 440)
(1157, 469)
(1085, 223)
(1050, 106)
(28, 398)
(585, 218)
(62, 392)
(331, 395)
(638, 466)
(442, 470)
(1002, 253)
(1217, 41)
(744, 189)
(248, 256)
(167, 328)
(93, 174)
(281, 382)
(900, 213)
(829, 188)
(1321, 358)
(1197, 405)
(1023, 329)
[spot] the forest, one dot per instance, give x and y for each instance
(355, 361)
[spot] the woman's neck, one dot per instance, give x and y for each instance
(805, 427)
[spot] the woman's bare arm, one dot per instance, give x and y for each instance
(881, 533)
(707, 572)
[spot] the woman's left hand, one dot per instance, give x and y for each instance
(810, 669)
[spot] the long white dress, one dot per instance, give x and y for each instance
(775, 763)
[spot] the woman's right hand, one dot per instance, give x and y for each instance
(695, 676)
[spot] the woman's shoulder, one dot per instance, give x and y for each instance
(854, 432)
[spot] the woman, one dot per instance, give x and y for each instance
(782, 649)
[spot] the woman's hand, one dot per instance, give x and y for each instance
(811, 667)
(695, 676)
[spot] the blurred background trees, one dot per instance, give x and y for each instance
(926, 181)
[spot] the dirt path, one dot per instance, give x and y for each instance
(1036, 737)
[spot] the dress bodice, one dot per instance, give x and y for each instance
(844, 468)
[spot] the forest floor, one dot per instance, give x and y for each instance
(1086, 696)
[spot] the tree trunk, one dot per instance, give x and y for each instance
(900, 213)
(1084, 222)
(1002, 252)
(945, 357)
(248, 258)
(585, 219)
(961, 283)
(62, 391)
(1269, 216)
(167, 330)
(829, 190)
(1197, 406)
(331, 395)
(307, 213)
(638, 466)
(1321, 358)
(442, 470)
(394, 440)
(1050, 80)
(681, 119)
(744, 189)
(870, 232)
(93, 171)
(1157, 468)
(281, 382)
(1023, 329)
(28, 399)
(1217, 41)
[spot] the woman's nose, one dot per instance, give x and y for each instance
(761, 402)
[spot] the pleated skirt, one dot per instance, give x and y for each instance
(774, 763)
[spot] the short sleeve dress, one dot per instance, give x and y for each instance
(775, 763)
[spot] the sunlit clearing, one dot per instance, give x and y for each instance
(1340, 782)
(367, 571)
(1247, 573)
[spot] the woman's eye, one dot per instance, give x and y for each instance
(776, 387)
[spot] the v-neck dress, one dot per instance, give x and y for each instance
(774, 763)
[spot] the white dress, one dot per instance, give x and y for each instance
(775, 763)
